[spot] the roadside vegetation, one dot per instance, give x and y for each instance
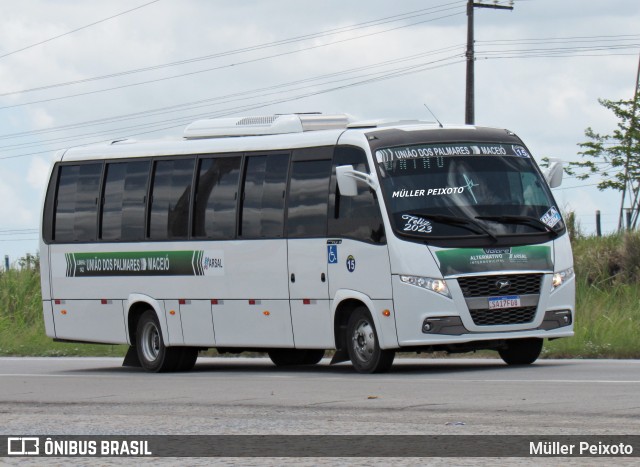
(607, 322)
(21, 324)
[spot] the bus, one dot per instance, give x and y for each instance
(301, 233)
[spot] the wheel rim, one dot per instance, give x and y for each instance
(150, 342)
(363, 341)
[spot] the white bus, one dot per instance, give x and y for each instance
(296, 234)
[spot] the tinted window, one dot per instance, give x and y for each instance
(262, 214)
(169, 218)
(308, 194)
(125, 193)
(356, 217)
(216, 195)
(77, 203)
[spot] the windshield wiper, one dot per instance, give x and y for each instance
(526, 220)
(464, 222)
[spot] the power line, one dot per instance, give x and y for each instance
(77, 29)
(222, 66)
(367, 24)
(19, 233)
(562, 39)
(559, 50)
(225, 98)
(577, 186)
(18, 239)
(159, 126)
(194, 105)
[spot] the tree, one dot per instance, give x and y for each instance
(615, 157)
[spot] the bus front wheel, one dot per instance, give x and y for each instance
(363, 344)
(154, 356)
(521, 351)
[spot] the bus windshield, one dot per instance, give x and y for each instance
(493, 191)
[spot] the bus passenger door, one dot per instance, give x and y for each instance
(307, 248)
(309, 291)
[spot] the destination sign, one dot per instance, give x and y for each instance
(447, 150)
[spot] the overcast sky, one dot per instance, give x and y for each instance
(539, 72)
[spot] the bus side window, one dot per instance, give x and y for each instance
(357, 217)
(125, 194)
(76, 211)
(308, 194)
(262, 212)
(215, 199)
(170, 198)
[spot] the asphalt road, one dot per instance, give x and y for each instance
(251, 396)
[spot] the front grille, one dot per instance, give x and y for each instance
(485, 286)
(503, 316)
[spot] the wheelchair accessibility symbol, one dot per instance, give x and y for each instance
(332, 254)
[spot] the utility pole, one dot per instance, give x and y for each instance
(470, 110)
(629, 138)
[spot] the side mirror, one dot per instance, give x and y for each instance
(348, 180)
(553, 174)
(347, 184)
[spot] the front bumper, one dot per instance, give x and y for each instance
(454, 324)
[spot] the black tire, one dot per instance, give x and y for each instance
(153, 354)
(188, 357)
(312, 356)
(363, 344)
(291, 357)
(521, 351)
(287, 357)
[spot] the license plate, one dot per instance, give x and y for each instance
(510, 301)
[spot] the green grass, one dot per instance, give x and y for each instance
(607, 299)
(607, 324)
(32, 341)
(607, 308)
(22, 327)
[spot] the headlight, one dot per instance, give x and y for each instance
(435, 285)
(560, 278)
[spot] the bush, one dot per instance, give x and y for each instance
(610, 260)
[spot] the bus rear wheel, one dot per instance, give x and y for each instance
(153, 354)
(363, 344)
(521, 351)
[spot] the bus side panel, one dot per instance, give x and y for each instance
(250, 269)
(49, 326)
(45, 270)
(173, 322)
(253, 323)
(197, 323)
(90, 320)
(312, 324)
(360, 266)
